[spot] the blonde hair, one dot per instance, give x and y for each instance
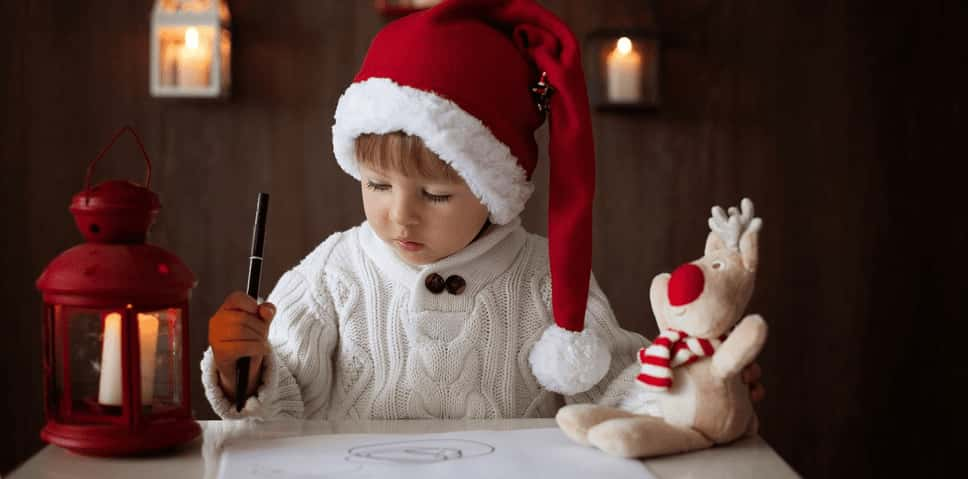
(407, 154)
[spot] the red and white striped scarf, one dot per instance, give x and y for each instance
(657, 366)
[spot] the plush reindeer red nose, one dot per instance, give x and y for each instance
(685, 285)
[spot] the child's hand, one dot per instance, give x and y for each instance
(239, 328)
(751, 376)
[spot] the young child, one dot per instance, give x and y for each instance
(440, 305)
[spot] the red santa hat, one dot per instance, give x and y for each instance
(474, 79)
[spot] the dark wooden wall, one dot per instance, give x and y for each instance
(844, 121)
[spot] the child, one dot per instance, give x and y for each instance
(440, 304)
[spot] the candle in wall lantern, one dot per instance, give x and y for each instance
(109, 390)
(624, 72)
(193, 61)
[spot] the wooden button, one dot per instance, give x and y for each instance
(455, 284)
(435, 283)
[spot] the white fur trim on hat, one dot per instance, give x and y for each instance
(379, 105)
(569, 362)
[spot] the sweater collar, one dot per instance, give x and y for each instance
(478, 263)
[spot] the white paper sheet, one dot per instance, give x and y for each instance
(531, 453)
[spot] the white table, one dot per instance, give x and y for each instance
(748, 458)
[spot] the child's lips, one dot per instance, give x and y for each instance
(408, 245)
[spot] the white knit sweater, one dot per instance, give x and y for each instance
(358, 335)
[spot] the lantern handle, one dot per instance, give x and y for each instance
(126, 128)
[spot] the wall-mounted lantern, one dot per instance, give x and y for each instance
(191, 48)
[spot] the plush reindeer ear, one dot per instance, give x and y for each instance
(749, 244)
(713, 243)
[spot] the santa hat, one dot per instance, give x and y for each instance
(474, 79)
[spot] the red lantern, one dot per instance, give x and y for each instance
(116, 350)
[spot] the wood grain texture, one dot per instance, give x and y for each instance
(844, 121)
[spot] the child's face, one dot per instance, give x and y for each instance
(423, 219)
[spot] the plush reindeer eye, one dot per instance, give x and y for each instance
(718, 265)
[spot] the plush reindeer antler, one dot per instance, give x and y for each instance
(731, 228)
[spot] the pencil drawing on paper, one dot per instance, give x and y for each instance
(424, 451)
(530, 453)
(412, 452)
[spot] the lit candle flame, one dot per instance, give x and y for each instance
(624, 45)
(191, 37)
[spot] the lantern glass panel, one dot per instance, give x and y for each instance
(185, 54)
(54, 344)
(88, 363)
(225, 60)
(161, 378)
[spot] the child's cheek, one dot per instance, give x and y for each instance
(371, 210)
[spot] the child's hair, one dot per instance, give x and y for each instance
(398, 151)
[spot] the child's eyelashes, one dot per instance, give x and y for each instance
(377, 186)
(428, 196)
(436, 198)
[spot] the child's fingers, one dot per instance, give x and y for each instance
(237, 325)
(239, 301)
(757, 392)
(267, 311)
(230, 351)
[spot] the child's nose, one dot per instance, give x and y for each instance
(685, 285)
(403, 212)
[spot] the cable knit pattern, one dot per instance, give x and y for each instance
(357, 335)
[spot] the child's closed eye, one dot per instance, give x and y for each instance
(428, 196)
(436, 198)
(377, 186)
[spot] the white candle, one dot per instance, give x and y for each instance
(624, 73)
(109, 389)
(110, 392)
(193, 61)
(148, 336)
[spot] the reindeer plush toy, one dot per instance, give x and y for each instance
(689, 394)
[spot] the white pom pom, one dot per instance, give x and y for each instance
(567, 362)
